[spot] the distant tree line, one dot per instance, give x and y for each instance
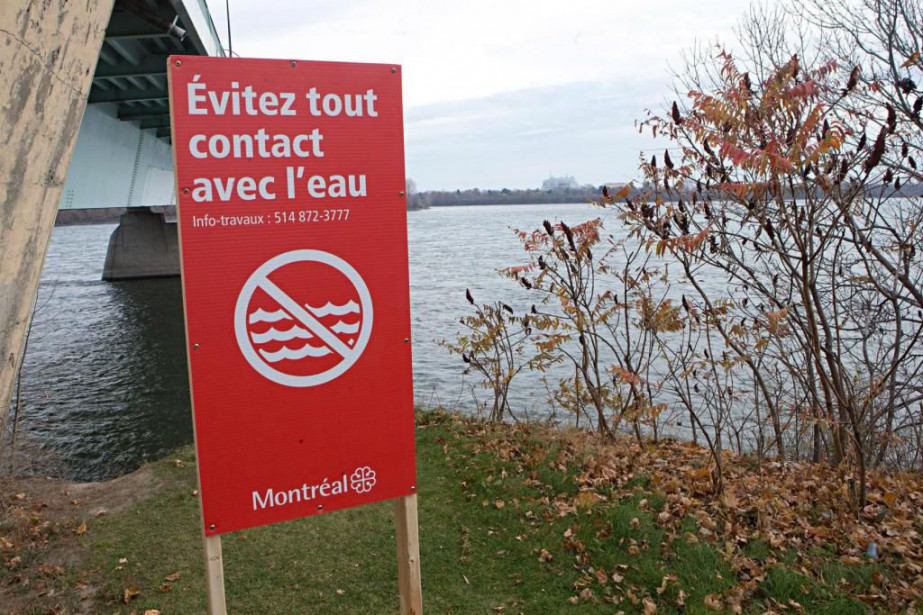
(585, 194)
(507, 196)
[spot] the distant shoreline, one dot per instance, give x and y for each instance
(524, 203)
(444, 198)
(104, 215)
(74, 217)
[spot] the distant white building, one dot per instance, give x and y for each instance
(560, 183)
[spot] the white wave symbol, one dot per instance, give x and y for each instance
(261, 315)
(350, 307)
(345, 329)
(275, 335)
(287, 353)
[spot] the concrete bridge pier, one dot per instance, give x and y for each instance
(47, 54)
(145, 245)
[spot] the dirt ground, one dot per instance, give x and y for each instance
(42, 521)
(60, 500)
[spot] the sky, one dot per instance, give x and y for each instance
(502, 93)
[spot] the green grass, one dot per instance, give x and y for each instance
(492, 540)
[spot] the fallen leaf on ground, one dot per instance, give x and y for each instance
(713, 602)
(50, 570)
(130, 593)
(666, 581)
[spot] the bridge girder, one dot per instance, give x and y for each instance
(132, 68)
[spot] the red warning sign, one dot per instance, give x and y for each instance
(293, 236)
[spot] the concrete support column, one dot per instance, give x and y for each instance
(48, 53)
(144, 245)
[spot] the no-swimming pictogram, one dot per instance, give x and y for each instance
(303, 318)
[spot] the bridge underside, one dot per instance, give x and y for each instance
(132, 69)
(123, 158)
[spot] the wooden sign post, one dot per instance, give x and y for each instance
(214, 575)
(409, 582)
(293, 240)
(408, 555)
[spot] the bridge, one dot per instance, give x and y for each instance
(85, 124)
(122, 158)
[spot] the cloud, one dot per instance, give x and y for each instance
(516, 139)
(501, 93)
(455, 51)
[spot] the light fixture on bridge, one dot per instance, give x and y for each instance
(175, 31)
(144, 13)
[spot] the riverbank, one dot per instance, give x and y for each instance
(519, 518)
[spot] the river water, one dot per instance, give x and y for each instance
(105, 386)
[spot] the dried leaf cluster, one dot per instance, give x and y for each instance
(799, 513)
